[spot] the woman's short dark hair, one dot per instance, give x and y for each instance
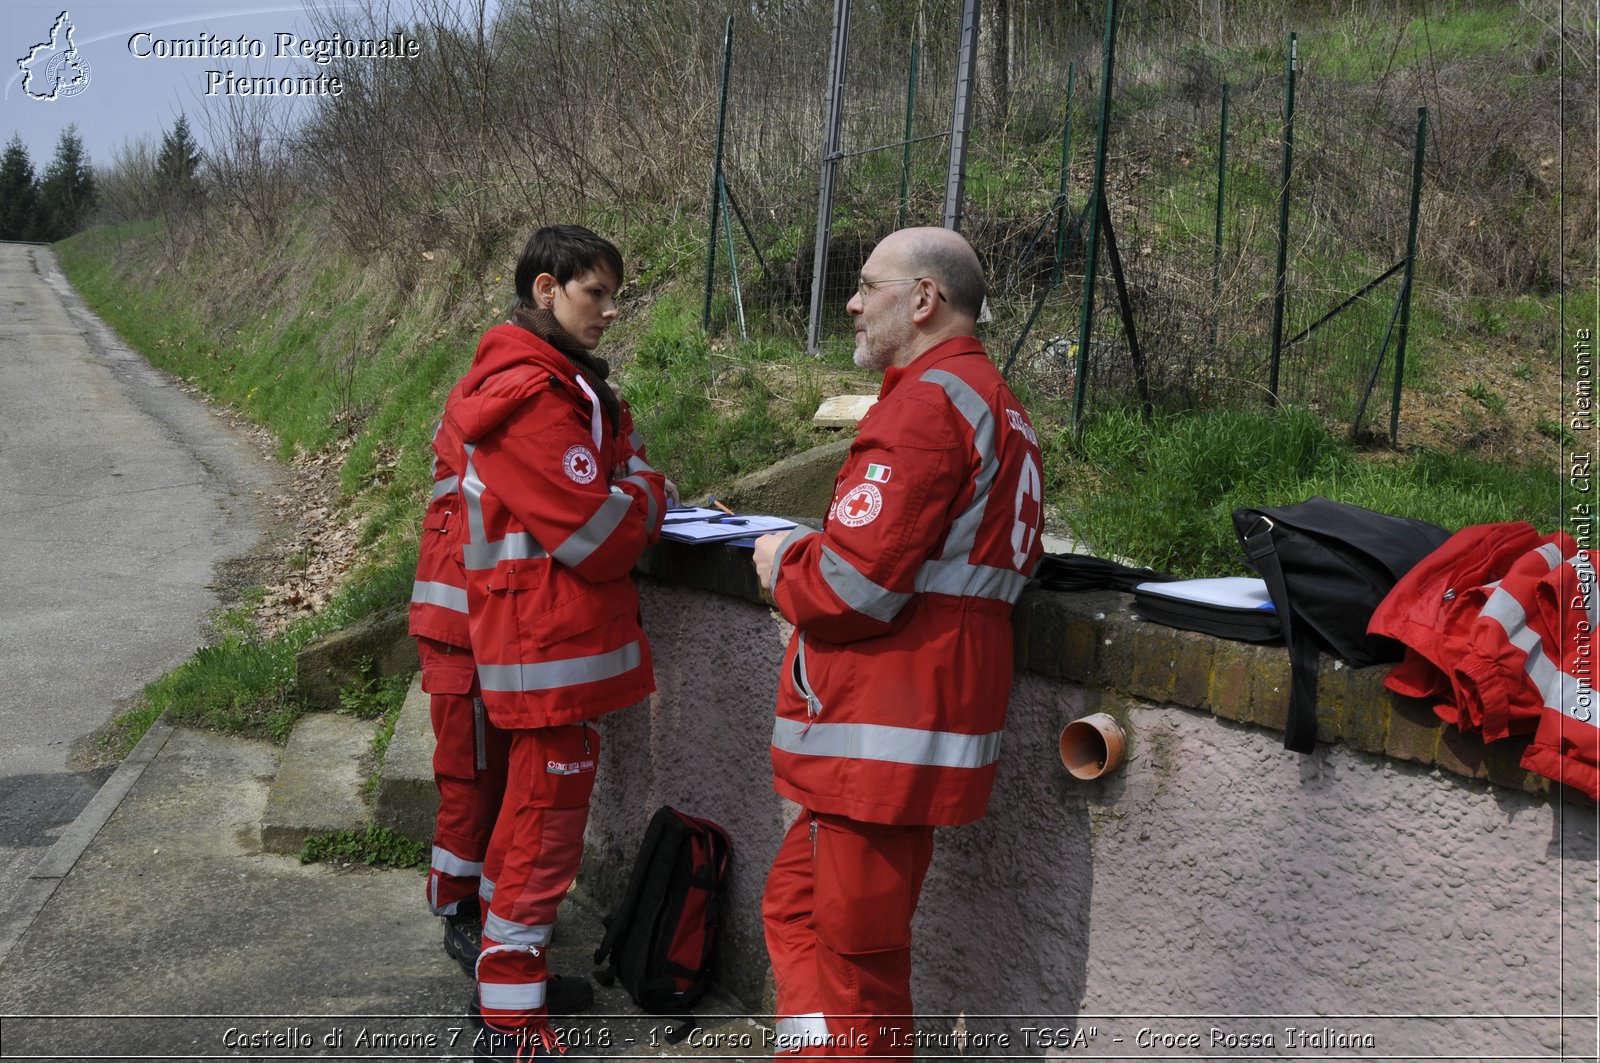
(564, 252)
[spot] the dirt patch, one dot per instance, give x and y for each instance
(1498, 408)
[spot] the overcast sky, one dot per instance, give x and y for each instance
(125, 97)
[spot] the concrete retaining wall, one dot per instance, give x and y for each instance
(1399, 871)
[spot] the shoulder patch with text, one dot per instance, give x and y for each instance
(580, 464)
(860, 505)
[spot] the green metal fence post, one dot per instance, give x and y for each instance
(1280, 278)
(1216, 250)
(1411, 262)
(911, 112)
(1091, 246)
(716, 172)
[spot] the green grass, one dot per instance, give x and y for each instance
(375, 846)
(1162, 492)
(712, 414)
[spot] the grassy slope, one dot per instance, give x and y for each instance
(319, 347)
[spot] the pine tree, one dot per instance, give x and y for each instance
(178, 167)
(19, 191)
(66, 192)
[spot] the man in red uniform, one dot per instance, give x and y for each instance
(895, 684)
(556, 506)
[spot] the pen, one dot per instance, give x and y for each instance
(720, 506)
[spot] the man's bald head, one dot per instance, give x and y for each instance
(945, 256)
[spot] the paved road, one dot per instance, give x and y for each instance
(118, 495)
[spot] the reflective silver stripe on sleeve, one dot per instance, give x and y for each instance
(431, 592)
(508, 933)
(635, 440)
(637, 464)
(485, 891)
(802, 1031)
(896, 745)
(517, 546)
(649, 496)
(551, 675)
(857, 591)
(448, 486)
(1565, 693)
(971, 581)
(589, 538)
(446, 862)
(472, 494)
(798, 532)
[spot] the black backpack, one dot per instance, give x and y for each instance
(658, 941)
(1328, 565)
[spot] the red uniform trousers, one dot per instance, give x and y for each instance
(837, 910)
(533, 858)
(469, 770)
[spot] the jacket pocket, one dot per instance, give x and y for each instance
(553, 605)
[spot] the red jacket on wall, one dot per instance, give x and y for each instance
(897, 678)
(1502, 623)
(557, 507)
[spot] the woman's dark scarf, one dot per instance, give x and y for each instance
(542, 323)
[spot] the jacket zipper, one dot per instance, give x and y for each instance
(803, 685)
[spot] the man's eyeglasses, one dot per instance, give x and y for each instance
(863, 286)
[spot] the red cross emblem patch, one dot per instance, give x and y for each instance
(859, 505)
(580, 464)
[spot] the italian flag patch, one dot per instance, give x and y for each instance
(878, 473)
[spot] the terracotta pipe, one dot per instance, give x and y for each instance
(1092, 746)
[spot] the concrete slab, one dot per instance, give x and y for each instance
(407, 800)
(843, 411)
(318, 785)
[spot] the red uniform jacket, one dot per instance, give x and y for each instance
(556, 507)
(1505, 621)
(439, 591)
(897, 678)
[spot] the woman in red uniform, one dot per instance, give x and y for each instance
(558, 503)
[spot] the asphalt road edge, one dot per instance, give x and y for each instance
(64, 853)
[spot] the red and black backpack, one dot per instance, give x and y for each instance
(659, 940)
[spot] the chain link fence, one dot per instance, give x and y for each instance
(1250, 242)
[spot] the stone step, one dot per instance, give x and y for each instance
(318, 788)
(407, 800)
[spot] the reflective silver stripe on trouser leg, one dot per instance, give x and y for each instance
(802, 1031)
(514, 996)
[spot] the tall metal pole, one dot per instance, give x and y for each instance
(961, 119)
(1092, 245)
(1411, 262)
(905, 151)
(716, 172)
(1216, 247)
(1280, 282)
(831, 155)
